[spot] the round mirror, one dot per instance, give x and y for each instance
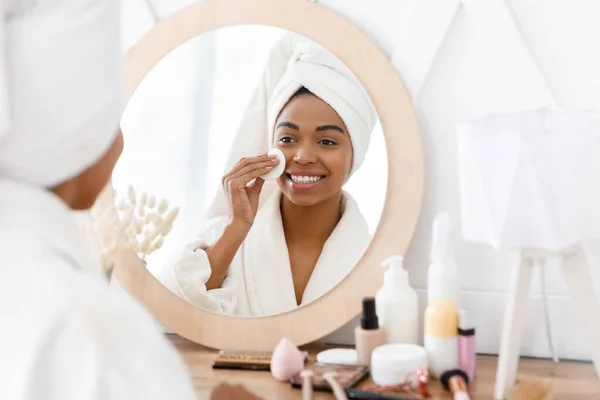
(189, 126)
(221, 236)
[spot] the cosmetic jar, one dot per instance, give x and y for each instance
(394, 364)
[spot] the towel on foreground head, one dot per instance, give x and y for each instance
(61, 85)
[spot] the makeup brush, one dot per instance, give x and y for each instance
(307, 386)
(337, 389)
(455, 381)
(532, 390)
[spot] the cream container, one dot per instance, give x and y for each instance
(392, 363)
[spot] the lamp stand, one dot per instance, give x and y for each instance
(579, 282)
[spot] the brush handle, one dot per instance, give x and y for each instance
(337, 389)
(358, 395)
(461, 396)
(307, 386)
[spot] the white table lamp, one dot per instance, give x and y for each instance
(530, 181)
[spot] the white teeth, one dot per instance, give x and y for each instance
(305, 179)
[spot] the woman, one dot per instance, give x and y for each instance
(279, 245)
(65, 334)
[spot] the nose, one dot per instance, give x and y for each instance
(305, 154)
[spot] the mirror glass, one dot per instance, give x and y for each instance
(188, 185)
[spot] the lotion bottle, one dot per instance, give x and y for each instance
(442, 312)
(398, 304)
(441, 336)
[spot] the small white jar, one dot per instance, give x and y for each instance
(391, 363)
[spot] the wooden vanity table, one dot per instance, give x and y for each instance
(568, 380)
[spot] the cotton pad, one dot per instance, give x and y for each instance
(338, 356)
(278, 169)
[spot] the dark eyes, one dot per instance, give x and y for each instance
(328, 142)
(325, 142)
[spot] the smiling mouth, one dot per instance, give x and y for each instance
(305, 180)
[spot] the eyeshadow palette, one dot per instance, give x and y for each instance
(348, 376)
(255, 361)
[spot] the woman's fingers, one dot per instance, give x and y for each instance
(241, 181)
(252, 168)
(247, 164)
(256, 185)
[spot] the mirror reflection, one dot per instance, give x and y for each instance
(217, 217)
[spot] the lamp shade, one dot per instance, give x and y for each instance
(530, 180)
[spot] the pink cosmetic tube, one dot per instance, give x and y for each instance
(466, 346)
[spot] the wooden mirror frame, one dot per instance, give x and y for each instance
(404, 186)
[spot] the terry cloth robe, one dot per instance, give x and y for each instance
(65, 333)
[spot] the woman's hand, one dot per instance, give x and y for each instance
(243, 204)
(243, 198)
(227, 392)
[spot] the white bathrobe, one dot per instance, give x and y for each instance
(65, 334)
(259, 280)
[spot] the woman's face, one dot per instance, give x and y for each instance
(317, 149)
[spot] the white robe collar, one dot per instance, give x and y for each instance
(45, 223)
(267, 269)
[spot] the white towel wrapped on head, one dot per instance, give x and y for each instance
(295, 62)
(324, 75)
(61, 86)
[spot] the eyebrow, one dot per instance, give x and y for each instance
(330, 127)
(289, 125)
(319, 129)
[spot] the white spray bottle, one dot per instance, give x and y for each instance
(442, 313)
(397, 304)
(443, 280)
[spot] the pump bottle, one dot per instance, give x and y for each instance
(398, 304)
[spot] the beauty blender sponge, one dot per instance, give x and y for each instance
(287, 361)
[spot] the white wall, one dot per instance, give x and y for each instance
(478, 69)
(563, 37)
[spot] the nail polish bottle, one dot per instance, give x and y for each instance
(368, 335)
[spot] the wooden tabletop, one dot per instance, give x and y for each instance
(567, 380)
